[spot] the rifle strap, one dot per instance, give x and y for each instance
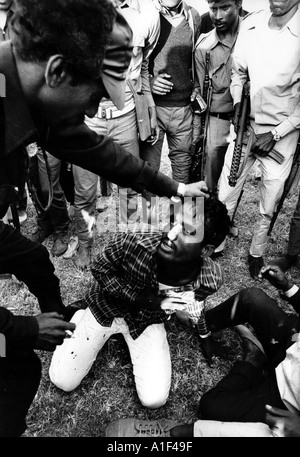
(33, 183)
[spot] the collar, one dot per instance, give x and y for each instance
(184, 9)
(294, 24)
(134, 4)
(215, 37)
(250, 21)
(19, 126)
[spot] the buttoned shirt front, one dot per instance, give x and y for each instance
(126, 267)
(219, 68)
(271, 59)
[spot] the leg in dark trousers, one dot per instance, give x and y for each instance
(241, 396)
(272, 326)
(19, 382)
(244, 392)
(30, 263)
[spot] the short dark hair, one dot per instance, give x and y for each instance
(216, 221)
(77, 29)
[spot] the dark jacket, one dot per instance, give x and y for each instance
(75, 144)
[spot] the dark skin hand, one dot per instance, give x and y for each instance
(283, 422)
(161, 84)
(275, 276)
(264, 141)
(264, 144)
(52, 330)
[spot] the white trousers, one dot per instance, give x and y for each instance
(273, 177)
(150, 356)
(218, 429)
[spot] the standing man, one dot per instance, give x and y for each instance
(267, 53)
(173, 87)
(120, 124)
(51, 81)
(219, 44)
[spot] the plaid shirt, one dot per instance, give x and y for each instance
(126, 266)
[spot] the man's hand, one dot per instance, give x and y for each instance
(196, 91)
(172, 304)
(283, 423)
(52, 330)
(160, 84)
(196, 189)
(264, 144)
(275, 276)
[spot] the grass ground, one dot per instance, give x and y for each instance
(108, 391)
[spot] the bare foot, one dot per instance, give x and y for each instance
(83, 258)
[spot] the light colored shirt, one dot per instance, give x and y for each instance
(219, 68)
(288, 376)
(271, 58)
(143, 19)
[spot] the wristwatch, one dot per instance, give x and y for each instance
(179, 194)
(276, 136)
(181, 190)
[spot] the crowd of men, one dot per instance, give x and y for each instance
(72, 70)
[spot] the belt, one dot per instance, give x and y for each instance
(224, 116)
(108, 113)
(104, 113)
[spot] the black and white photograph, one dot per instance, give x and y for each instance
(149, 222)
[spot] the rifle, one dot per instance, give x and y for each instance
(198, 146)
(241, 128)
(238, 153)
(291, 181)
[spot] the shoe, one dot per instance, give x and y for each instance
(83, 258)
(255, 265)
(253, 351)
(60, 244)
(285, 262)
(71, 309)
(139, 428)
(72, 247)
(41, 235)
